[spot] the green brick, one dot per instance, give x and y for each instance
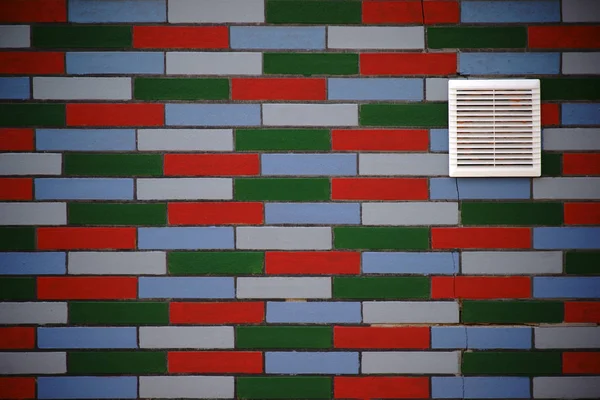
(81, 164)
(381, 238)
(117, 362)
(32, 114)
(283, 387)
(81, 36)
(512, 312)
(570, 89)
(180, 89)
(282, 140)
(17, 289)
(313, 12)
(282, 189)
(360, 287)
(117, 214)
(283, 337)
(509, 213)
(424, 114)
(17, 239)
(310, 63)
(583, 263)
(118, 313)
(511, 363)
(476, 37)
(551, 164)
(215, 263)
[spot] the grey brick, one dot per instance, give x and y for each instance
(33, 213)
(280, 238)
(581, 63)
(566, 387)
(30, 164)
(419, 312)
(283, 288)
(410, 362)
(82, 88)
(581, 11)
(567, 337)
(420, 164)
(192, 387)
(310, 114)
(117, 263)
(436, 89)
(410, 213)
(187, 337)
(571, 139)
(511, 262)
(375, 37)
(33, 363)
(13, 36)
(216, 11)
(33, 313)
(185, 139)
(185, 189)
(214, 63)
(566, 188)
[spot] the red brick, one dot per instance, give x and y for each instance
(215, 362)
(85, 238)
(16, 189)
(475, 287)
(211, 164)
(278, 89)
(222, 213)
(17, 388)
(16, 139)
(550, 114)
(86, 288)
(32, 63)
(379, 189)
(481, 238)
(564, 37)
(180, 37)
(384, 387)
(441, 12)
(115, 114)
(581, 164)
(392, 12)
(408, 64)
(359, 337)
(581, 363)
(582, 311)
(33, 11)
(380, 139)
(17, 338)
(582, 213)
(312, 262)
(251, 312)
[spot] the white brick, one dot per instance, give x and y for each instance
(279, 238)
(33, 213)
(118, 263)
(30, 164)
(409, 213)
(214, 63)
(310, 114)
(215, 11)
(33, 313)
(283, 288)
(185, 139)
(33, 363)
(82, 88)
(185, 189)
(375, 37)
(14, 36)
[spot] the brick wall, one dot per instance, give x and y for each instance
(250, 199)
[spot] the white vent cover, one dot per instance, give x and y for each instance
(494, 127)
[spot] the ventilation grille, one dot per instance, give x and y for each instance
(494, 127)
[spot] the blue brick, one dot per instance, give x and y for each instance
(87, 338)
(87, 387)
(510, 11)
(483, 338)
(189, 238)
(84, 189)
(42, 263)
(212, 114)
(566, 238)
(85, 139)
(501, 387)
(115, 62)
(277, 38)
(581, 114)
(439, 263)
(292, 362)
(375, 89)
(566, 287)
(509, 63)
(312, 213)
(186, 288)
(309, 164)
(14, 88)
(314, 312)
(479, 188)
(438, 140)
(87, 11)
